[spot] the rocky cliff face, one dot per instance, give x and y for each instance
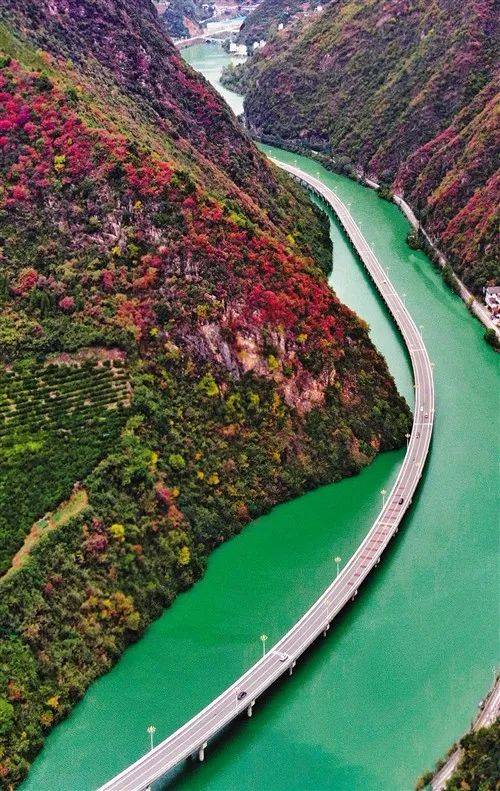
(405, 92)
(168, 344)
(182, 18)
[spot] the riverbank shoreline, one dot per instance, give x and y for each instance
(194, 736)
(474, 306)
(488, 711)
(387, 648)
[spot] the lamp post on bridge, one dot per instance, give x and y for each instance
(383, 493)
(263, 639)
(407, 439)
(338, 561)
(151, 730)
(404, 300)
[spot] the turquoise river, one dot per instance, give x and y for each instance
(399, 677)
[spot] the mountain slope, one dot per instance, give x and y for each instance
(405, 92)
(172, 361)
(183, 17)
(264, 20)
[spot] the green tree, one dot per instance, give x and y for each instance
(6, 716)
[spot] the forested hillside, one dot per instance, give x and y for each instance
(172, 361)
(479, 765)
(183, 17)
(264, 21)
(404, 92)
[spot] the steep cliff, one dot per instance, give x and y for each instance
(173, 362)
(407, 93)
(182, 18)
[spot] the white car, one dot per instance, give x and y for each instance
(282, 656)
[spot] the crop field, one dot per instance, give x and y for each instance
(56, 422)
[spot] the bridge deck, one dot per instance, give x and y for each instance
(195, 734)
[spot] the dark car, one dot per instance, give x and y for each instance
(241, 694)
(401, 501)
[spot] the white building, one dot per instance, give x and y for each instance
(492, 299)
(237, 49)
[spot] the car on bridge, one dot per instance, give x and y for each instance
(281, 656)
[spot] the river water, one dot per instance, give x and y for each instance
(399, 677)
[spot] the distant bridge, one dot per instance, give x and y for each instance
(193, 737)
(216, 36)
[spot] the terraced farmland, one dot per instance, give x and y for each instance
(56, 422)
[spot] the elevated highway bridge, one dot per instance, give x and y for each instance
(193, 737)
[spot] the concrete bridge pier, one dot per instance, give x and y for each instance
(250, 708)
(201, 752)
(290, 670)
(326, 629)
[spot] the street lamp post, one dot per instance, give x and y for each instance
(151, 730)
(338, 561)
(407, 439)
(421, 327)
(383, 493)
(263, 639)
(404, 300)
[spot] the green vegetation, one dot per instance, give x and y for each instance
(56, 422)
(450, 279)
(479, 769)
(404, 93)
(385, 192)
(264, 21)
(188, 471)
(180, 12)
(138, 223)
(491, 337)
(236, 77)
(61, 516)
(479, 766)
(413, 240)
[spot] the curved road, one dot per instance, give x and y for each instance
(487, 715)
(192, 738)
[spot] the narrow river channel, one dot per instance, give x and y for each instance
(400, 675)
